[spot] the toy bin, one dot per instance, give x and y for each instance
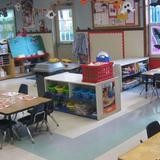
(77, 93)
(59, 89)
(51, 88)
(97, 72)
(66, 90)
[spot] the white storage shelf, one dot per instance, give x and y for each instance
(73, 80)
(121, 65)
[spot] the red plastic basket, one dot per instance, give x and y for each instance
(94, 74)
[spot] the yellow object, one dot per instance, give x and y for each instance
(122, 16)
(66, 60)
(59, 89)
(53, 60)
(71, 106)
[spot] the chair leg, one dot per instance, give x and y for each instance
(142, 90)
(54, 120)
(3, 138)
(157, 93)
(30, 135)
(41, 125)
(46, 123)
(16, 134)
(152, 95)
(36, 127)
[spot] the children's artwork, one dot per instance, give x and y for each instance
(155, 40)
(5, 102)
(27, 13)
(108, 97)
(9, 94)
(25, 97)
(115, 13)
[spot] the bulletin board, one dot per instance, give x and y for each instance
(119, 13)
(118, 44)
(111, 42)
(25, 46)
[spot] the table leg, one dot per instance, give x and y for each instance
(146, 86)
(10, 129)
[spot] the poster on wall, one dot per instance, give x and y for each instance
(115, 13)
(155, 40)
(28, 14)
(108, 97)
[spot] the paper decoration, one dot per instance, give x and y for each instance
(111, 13)
(83, 2)
(50, 14)
(18, 7)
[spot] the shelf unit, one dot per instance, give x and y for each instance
(129, 70)
(6, 64)
(74, 81)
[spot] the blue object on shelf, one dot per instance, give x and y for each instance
(102, 57)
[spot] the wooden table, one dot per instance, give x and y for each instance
(149, 150)
(22, 104)
(149, 74)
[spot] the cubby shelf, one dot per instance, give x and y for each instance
(6, 64)
(77, 88)
(121, 66)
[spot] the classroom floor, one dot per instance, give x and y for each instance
(82, 138)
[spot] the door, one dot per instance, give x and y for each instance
(64, 32)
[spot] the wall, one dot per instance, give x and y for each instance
(133, 40)
(83, 15)
(36, 4)
(82, 19)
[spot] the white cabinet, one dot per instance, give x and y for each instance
(92, 100)
(129, 70)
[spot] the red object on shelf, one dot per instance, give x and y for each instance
(94, 74)
(31, 57)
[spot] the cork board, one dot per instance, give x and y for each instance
(110, 42)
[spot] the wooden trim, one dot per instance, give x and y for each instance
(38, 32)
(111, 29)
(145, 28)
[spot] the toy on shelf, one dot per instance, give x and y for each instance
(53, 60)
(103, 57)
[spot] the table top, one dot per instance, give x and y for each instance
(148, 150)
(21, 104)
(152, 72)
(74, 78)
(126, 61)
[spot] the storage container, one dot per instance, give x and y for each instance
(96, 73)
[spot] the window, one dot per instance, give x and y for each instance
(65, 25)
(7, 25)
(154, 24)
